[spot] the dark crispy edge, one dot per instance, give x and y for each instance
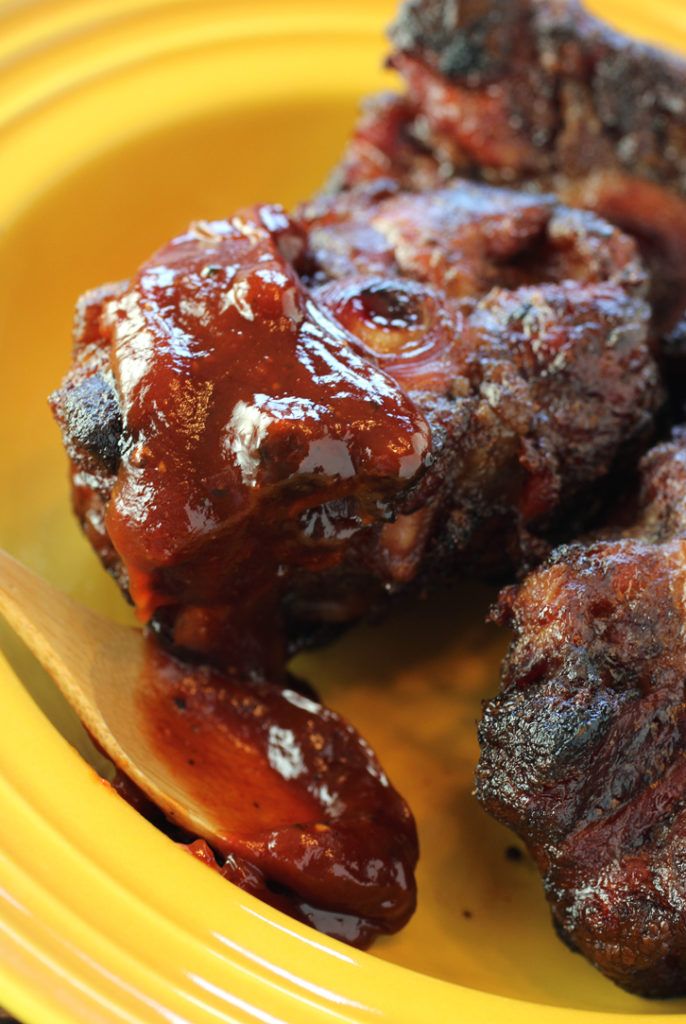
(638, 91)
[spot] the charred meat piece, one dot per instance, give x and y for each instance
(517, 326)
(296, 418)
(92, 427)
(538, 94)
(584, 748)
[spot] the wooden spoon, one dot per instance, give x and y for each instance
(202, 768)
(262, 772)
(98, 666)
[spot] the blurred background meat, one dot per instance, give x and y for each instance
(540, 95)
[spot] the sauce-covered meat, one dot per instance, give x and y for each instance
(304, 415)
(255, 441)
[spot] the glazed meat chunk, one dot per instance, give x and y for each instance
(279, 422)
(541, 95)
(582, 751)
(255, 444)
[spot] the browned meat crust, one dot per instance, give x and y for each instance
(513, 300)
(583, 750)
(90, 417)
(511, 327)
(539, 94)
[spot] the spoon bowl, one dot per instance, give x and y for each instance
(282, 788)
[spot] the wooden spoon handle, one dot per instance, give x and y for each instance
(79, 649)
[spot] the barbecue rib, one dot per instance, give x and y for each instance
(278, 421)
(583, 748)
(541, 95)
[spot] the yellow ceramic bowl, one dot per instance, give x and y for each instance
(121, 120)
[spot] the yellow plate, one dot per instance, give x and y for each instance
(120, 120)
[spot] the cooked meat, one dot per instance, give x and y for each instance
(584, 748)
(538, 94)
(277, 423)
(281, 421)
(255, 444)
(516, 326)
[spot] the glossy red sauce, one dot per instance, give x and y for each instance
(305, 816)
(259, 441)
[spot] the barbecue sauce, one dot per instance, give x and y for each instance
(260, 441)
